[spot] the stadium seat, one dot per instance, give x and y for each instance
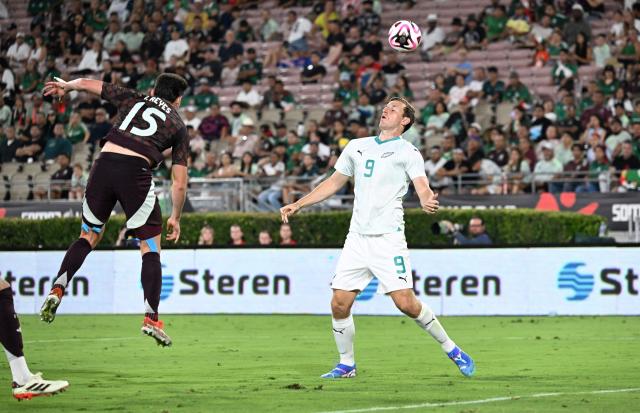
(41, 182)
(271, 115)
(294, 116)
(32, 168)
(20, 187)
(9, 168)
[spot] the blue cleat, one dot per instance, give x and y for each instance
(463, 361)
(341, 371)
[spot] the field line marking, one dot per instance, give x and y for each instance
(63, 340)
(482, 401)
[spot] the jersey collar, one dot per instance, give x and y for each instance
(380, 142)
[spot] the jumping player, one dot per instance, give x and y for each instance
(26, 385)
(144, 127)
(381, 167)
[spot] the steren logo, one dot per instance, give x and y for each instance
(167, 285)
(580, 285)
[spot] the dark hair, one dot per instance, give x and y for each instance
(170, 86)
(409, 111)
(578, 146)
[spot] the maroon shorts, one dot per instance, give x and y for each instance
(128, 180)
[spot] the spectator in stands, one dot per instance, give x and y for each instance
(547, 169)
(297, 36)
(616, 137)
(211, 68)
(369, 20)
(541, 30)
(496, 23)
(237, 237)
(214, 126)
(579, 166)
(57, 145)
(286, 235)
(433, 165)
(152, 43)
(76, 131)
(564, 72)
(269, 29)
(473, 35)
(498, 154)
(227, 167)
(539, 124)
(576, 25)
(8, 144)
(335, 113)
(177, 47)
(264, 238)
(5, 114)
(313, 72)
(594, 131)
(458, 91)
(392, 69)
(455, 167)
(207, 236)
(249, 95)
(112, 36)
(347, 92)
(581, 51)
(459, 121)
(437, 121)
(61, 179)
(190, 118)
(134, 37)
(251, 68)
(493, 89)
(246, 140)
(518, 171)
(31, 145)
(373, 47)
(18, 52)
(92, 59)
(627, 159)
(455, 32)
(248, 165)
(517, 91)
(432, 38)
(477, 233)
(78, 182)
(269, 199)
(278, 98)
(321, 22)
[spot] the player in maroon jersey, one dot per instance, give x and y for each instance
(144, 127)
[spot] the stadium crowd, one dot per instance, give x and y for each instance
(574, 140)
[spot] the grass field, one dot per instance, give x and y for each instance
(272, 363)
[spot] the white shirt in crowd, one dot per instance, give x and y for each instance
(548, 169)
(90, 60)
(175, 48)
(432, 169)
(251, 98)
(324, 152)
(301, 27)
(273, 170)
(430, 40)
(381, 171)
(456, 94)
(19, 53)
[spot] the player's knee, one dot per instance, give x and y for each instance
(93, 236)
(340, 308)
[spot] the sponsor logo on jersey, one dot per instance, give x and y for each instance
(387, 154)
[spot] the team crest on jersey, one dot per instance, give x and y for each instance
(386, 154)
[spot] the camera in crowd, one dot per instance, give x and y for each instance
(445, 227)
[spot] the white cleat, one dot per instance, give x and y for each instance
(37, 387)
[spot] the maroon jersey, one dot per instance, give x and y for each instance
(147, 125)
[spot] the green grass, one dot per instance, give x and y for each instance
(272, 363)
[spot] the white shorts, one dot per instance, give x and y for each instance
(384, 256)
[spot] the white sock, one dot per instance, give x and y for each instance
(428, 322)
(19, 369)
(344, 331)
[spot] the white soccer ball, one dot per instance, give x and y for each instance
(404, 36)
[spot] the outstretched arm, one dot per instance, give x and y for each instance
(59, 87)
(428, 199)
(321, 192)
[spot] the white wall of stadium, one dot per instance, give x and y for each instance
(513, 281)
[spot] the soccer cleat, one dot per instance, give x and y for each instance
(155, 329)
(463, 361)
(38, 386)
(341, 371)
(50, 305)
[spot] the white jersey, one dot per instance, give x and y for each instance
(381, 171)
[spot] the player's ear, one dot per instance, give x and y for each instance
(152, 93)
(178, 102)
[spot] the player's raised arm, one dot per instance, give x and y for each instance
(428, 199)
(321, 192)
(59, 87)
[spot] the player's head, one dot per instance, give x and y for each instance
(170, 87)
(397, 114)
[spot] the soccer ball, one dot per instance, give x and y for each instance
(404, 36)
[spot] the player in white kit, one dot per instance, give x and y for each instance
(381, 167)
